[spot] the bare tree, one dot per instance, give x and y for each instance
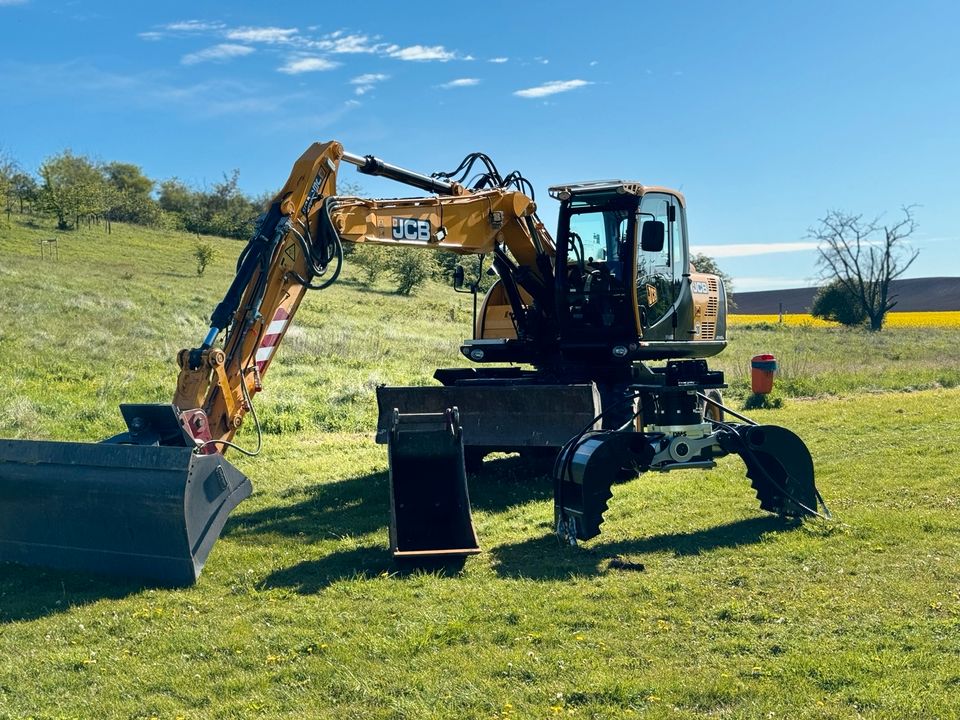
(864, 257)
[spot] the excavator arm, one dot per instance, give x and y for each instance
(298, 242)
(274, 271)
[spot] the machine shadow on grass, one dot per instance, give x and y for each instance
(545, 558)
(31, 593)
(361, 505)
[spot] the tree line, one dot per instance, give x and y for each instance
(73, 189)
(858, 258)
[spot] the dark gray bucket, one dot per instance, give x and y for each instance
(429, 504)
(150, 512)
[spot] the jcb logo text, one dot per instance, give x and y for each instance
(411, 229)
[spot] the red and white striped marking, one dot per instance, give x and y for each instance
(271, 338)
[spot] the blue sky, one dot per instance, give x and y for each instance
(765, 115)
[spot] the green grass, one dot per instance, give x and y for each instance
(300, 612)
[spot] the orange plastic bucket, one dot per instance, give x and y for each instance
(762, 369)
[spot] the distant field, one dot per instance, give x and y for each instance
(948, 319)
(300, 612)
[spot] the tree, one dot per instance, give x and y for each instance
(204, 254)
(129, 199)
(127, 177)
(706, 264)
(835, 302)
(864, 257)
(73, 187)
(410, 267)
(8, 171)
(227, 211)
(24, 188)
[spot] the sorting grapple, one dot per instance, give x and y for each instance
(677, 434)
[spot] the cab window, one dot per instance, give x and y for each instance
(660, 273)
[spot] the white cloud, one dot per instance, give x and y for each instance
(352, 44)
(421, 53)
(295, 66)
(193, 26)
(151, 35)
(262, 34)
(551, 88)
(217, 53)
(461, 82)
(754, 284)
(365, 83)
(12, 2)
(498, 60)
(338, 43)
(369, 79)
(751, 249)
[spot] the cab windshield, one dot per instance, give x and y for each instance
(598, 263)
(599, 234)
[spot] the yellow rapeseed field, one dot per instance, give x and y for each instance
(948, 319)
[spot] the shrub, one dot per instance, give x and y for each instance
(372, 258)
(204, 253)
(835, 302)
(410, 268)
(762, 401)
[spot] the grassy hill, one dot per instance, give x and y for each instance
(301, 613)
(936, 294)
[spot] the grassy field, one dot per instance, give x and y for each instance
(300, 612)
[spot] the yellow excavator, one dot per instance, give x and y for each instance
(562, 351)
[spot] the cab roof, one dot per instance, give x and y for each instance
(598, 186)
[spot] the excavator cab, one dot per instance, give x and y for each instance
(624, 290)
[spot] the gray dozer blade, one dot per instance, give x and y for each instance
(498, 417)
(429, 505)
(149, 512)
(780, 469)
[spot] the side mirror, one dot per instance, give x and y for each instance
(651, 236)
(458, 277)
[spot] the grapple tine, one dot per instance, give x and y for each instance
(780, 469)
(585, 473)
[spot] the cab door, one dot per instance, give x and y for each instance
(660, 274)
